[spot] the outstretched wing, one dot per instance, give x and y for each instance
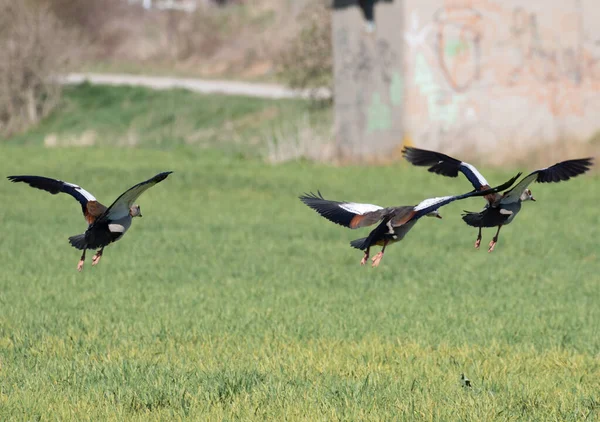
(89, 206)
(445, 165)
(432, 204)
(557, 173)
(347, 214)
(120, 208)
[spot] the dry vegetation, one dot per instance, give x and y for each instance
(35, 46)
(262, 39)
(307, 61)
(243, 39)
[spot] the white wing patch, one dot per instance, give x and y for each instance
(476, 173)
(81, 190)
(431, 201)
(359, 209)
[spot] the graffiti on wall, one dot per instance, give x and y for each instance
(469, 58)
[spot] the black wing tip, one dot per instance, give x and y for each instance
(587, 160)
(161, 176)
(565, 170)
(412, 154)
(47, 184)
(437, 162)
(586, 163)
(21, 178)
(407, 150)
(311, 196)
(510, 182)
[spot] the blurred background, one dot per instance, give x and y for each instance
(495, 81)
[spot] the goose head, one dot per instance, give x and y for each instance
(434, 213)
(135, 211)
(527, 196)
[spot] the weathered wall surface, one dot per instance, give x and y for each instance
(488, 75)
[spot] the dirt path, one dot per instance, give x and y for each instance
(205, 86)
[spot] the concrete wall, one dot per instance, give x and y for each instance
(481, 75)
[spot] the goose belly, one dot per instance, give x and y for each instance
(396, 234)
(117, 228)
(510, 211)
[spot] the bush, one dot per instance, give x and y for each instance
(35, 49)
(307, 62)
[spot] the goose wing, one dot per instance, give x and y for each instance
(120, 208)
(348, 214)
(90, 207)
(432, 204)
(557, 173)
(445, 165)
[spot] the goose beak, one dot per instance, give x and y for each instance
(532, 198)
(438, 216)
(140, 215)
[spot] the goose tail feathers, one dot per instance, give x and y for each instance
(78, 242)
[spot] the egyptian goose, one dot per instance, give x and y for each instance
(394, 222)
(500, 209)
(105, 225)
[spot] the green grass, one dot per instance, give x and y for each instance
(133, 116)
(232, 300)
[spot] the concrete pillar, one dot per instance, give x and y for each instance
(369, 91)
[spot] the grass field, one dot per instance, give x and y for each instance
(139, 117)
(232, 300)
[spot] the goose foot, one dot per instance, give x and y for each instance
(494, 240)
(478, 243)
(96, 258)
(377, 259)
(363, 261)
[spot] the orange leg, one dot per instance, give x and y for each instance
(377, 258)
(96, 258)
(494, 240)
(81, 261)
(363, 261)
(478, 241)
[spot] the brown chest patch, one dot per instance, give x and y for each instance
(94, 209)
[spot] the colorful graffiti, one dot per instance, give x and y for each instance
(489, 63)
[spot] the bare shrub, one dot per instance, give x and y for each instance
(92, 20)
(195, 34)
(307, 62)
(35, 48)
(91, 16)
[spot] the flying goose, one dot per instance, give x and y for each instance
(500, 209)
(394, 222)
(105, 225)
